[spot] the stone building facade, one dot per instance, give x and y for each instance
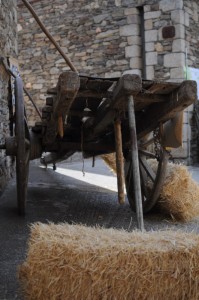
(8, 50)
(156, 39)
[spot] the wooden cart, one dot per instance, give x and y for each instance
(98, 116)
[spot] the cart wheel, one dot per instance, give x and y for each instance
(22, 146)
(151, 181)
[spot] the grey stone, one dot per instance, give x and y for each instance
(177, 16)
(150, 72)
(132, 51)
(152, 15)
(131, 11)
(186, 21)
(148, 25)
(134, 71)
(151, 35)
(134, 40)
(177, 73)
(149, 47)
(129, 30)
(151, 58)
(136, 63)
(168, 5)
(172, 60)
(100, 18)
(178, 45)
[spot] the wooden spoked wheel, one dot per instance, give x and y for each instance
(22, 141)
(152, 178)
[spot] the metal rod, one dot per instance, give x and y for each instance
(119, 161)
(135, 164)
(50, 37)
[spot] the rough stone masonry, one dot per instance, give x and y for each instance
(8, 49)
(153, 38)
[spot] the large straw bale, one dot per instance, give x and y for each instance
(76, 262)
(179, 197)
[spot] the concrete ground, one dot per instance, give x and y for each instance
(65, 195)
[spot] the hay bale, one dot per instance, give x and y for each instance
(76, 262)
(110, 160)
(179, 197)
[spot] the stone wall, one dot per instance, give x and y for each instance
(109, 38)
(191, 20)
(8, 48)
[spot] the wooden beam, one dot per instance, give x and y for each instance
(67, 88)
(127, 85)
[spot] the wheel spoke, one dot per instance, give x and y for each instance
(143, 177)
(147, 168)
(147, 153)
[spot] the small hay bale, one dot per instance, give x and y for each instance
(76, 262)
(179, 197)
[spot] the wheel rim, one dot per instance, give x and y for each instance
(22, 146)
(147, 174)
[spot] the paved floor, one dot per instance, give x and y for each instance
(64, 196)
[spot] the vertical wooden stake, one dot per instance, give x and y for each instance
(119, 161)
(135, 164)
(60, 127)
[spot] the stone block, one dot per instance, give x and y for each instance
(133, 19)
(118, 2)
(106, 34)
(159, 47)
(172, 60)
(148, 25)
(134, 40)
(177, 73)
(134, 71)
(180, 31)
(131, 11)
(112, 74)
(152, 15)
(149, 47)
(136, 63)
(151, 58)
(195, 15)
(177, 16)
(132, 51)
(150, 72)
(178, 45)
(168, 5)
(151, 35)
(99, 18)
(147, 8)
(129, 30)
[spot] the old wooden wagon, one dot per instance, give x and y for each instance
(98, 116)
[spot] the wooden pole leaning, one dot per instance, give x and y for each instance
(119, 161)
(135, 163)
